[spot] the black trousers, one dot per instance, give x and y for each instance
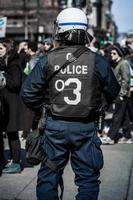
(120, 120)
(130, 108)
(14, 146)
(2, 159)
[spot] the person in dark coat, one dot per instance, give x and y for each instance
(11, 69)
(2, 85)
(2, 159)
(26, 115)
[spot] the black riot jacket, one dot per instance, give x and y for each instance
(78, 87)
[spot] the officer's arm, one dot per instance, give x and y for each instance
(109, 84)
(32, 91)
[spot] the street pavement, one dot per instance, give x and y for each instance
(116, 177)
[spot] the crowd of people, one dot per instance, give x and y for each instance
(17, 63)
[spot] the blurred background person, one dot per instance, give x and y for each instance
(129, 57)
(28, 58)
(22, 52)
(48, 44)
(11, 69)
(33, 57)
(120, 112)
(2, 85)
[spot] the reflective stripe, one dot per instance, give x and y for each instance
(72, 23)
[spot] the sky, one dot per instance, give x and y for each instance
(123, 14)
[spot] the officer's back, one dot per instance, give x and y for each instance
(74, 97)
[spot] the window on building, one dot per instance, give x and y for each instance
(71, 3)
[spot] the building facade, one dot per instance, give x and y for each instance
(34, 19)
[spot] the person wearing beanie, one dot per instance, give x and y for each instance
(48, 44)
(118, 49)
(120, 113)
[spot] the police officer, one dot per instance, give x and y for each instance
(75, 95)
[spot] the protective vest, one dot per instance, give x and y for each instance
(75, 91)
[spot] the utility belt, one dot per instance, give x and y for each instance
(86, 120)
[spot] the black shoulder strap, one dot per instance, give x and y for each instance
(71, 59)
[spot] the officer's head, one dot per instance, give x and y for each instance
(71, 27)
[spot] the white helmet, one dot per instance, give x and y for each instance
(71, 18)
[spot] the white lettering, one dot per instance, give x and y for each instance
(68, 56)
(56, 67)
(59, 85)
(76, 91)
(63, 71)
(69, 69)
(78, 69)
(73, 69)
(84, 69)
